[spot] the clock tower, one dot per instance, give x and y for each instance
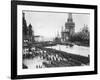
(69, 28)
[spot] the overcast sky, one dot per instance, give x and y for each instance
(47, 24)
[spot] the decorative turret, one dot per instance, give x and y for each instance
(24, 25)
(70, 17)
(62, 29)
(30, 30)
(70, 25)
(58, 34)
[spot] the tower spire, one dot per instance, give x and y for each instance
(23, 15)
(62, 29)
(70, 17)
(57, 34)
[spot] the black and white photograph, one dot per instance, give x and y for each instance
(54, 39)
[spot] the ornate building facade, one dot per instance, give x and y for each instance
(69, 28)
(28, 33)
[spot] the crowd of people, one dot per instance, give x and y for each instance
(49, 58)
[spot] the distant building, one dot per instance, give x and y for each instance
(69, 28)
(57, 38)
(37, 38)
(28, 33)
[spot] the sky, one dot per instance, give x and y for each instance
(47, 24)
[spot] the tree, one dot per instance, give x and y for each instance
(83, 36)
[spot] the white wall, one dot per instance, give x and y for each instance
(5, 29)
